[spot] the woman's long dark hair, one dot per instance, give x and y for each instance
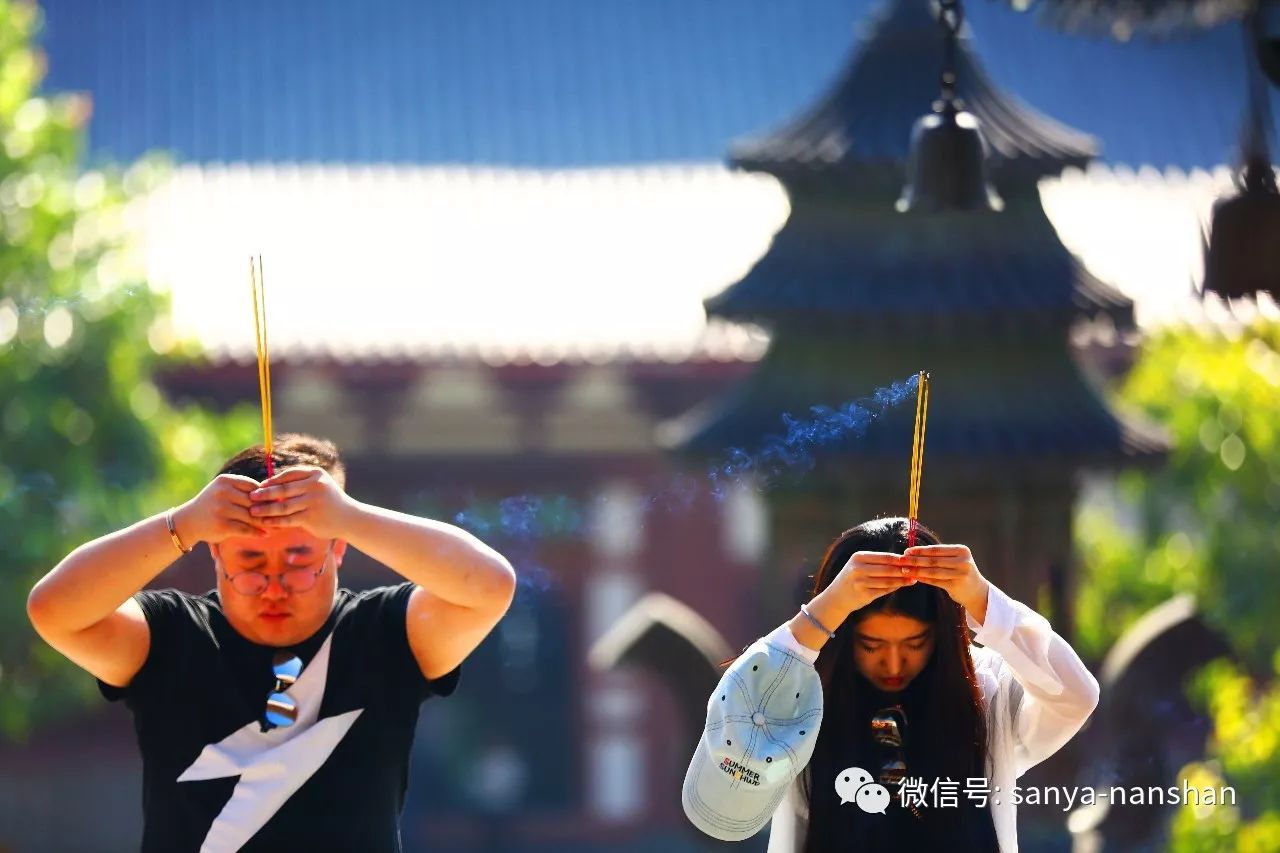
(946, 726)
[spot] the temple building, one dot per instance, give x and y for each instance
(857, 296)
(512, 276)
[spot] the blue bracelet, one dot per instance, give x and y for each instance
(831, 635)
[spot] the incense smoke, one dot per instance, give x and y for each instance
(520, 520)
(794, 449)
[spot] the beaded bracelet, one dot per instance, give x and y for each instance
(823, 628)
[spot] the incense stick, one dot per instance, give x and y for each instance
(917, 456)
(266, 359)
(258, 283)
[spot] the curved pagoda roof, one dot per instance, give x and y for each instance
(858, 295)
(988, 404)
(864, 261)
(864, 121)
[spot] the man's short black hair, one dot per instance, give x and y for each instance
(287, 451)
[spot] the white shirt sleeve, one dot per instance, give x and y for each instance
(787, 829)
(1051, 692)
(784, 639)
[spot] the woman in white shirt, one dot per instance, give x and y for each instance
(874, 681)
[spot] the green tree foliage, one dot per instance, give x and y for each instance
(87, 444)
(1245, 755)
(1206, 523)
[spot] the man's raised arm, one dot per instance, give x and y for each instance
(83, 607)
(465, 586)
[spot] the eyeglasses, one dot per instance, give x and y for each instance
(300, 579)
(282, 711)
(889, 730)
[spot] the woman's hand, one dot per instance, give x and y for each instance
(950, 568)
(867, 576)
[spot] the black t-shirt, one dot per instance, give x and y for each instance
(333, 781)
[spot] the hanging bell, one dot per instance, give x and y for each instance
(1265, 24)
(946, 169)
(1242, 257)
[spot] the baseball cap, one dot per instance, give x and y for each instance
(762, 725)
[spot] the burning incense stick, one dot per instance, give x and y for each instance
(917, 455)
(258, 283)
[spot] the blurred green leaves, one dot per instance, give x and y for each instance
(1206, 523)
(1246, 755)
(87, 444)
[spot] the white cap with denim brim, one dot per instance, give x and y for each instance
(762, 724)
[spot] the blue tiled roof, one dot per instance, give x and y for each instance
(575, 82)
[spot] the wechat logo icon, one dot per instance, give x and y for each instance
(855, 785)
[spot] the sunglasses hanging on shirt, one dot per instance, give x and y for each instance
(889, 730)
(282, 710)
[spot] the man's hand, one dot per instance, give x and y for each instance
(84, 607)
(221, 510)
(950, 568)
(305, 497)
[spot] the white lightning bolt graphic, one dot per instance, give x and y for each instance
(271, 765)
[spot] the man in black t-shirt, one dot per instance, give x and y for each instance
(276, 712)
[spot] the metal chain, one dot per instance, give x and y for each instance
(1256, 172)
(951, 16)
